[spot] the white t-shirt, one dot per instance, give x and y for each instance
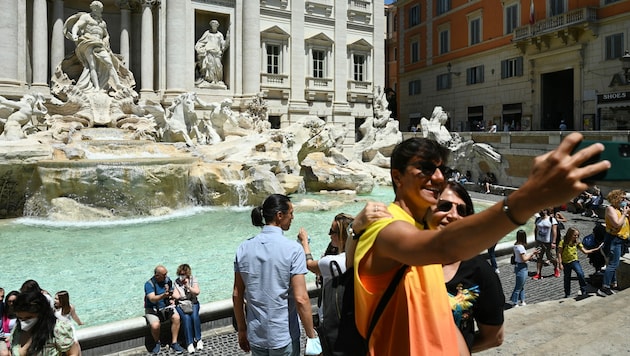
(544, 228)
(324, 269)
(518, 251)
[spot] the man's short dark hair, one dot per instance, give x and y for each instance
(428, 150)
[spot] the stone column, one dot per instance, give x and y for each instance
(57, 43)
(40, 43)
(377, 63)
(297, 105)
(146, 47)
(340, 49)
(176, 46)
(13, 52)
(251, 47)
(125, 25)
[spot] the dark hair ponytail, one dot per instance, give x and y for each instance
(273, 204)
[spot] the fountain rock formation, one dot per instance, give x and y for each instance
(478, 158)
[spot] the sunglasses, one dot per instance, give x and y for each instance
(428, 168)
(331, 232)
(446, 206)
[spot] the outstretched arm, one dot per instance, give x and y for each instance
(555, 177)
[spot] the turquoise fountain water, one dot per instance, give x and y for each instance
(104, 265)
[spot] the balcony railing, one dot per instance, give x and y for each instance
(359, 91)
(555, 23)
(279, 80)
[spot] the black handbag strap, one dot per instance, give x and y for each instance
(385, 300)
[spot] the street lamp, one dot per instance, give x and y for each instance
(625, 65)
(449, 67)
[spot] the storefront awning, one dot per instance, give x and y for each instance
(618, 104)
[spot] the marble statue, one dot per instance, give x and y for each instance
(210, 48)
(16, 116)
(98, 67)
(434, 128)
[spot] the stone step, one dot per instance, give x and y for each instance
(588, 326)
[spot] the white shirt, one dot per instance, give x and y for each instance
(325, 270)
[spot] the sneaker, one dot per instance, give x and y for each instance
(199, 345)
(497, 271)
(191, 349)
(604, 292)
(595, 215)
(537, 277)
(177, 348)
(581, 292)
(522, 303)
(156, 348)
(556, 273)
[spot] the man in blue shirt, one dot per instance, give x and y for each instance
(269, 272)
(159, 307)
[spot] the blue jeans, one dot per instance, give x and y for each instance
(493, 257)
(191, 322)
(577, 267)
(614, 255)
(519, 287)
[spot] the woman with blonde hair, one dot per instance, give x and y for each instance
(568, 256)
(331, 265)
(617, 232)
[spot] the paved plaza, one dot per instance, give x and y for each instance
(223, 341)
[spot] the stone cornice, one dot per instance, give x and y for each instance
(226, 3)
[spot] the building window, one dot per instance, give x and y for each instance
(511, 18)
(444, 81)
(274, 121)
(319, 60)
(475, 31)
(443, 6)
(414, 87)
(512, 67)
(475, 118)
(557, 7)
(414, 15)
(359, 67)
(444, 41)
(415, 52)
(614, 46)
(273, 59)
(474, 75)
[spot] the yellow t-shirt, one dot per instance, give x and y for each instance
(418, 318)
(623, 232)
(570, 251)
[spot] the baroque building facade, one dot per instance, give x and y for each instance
(306, 57)
(517, 64)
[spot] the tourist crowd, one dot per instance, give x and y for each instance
(430, 235)
(35, 323)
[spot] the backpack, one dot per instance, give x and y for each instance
(337, 331)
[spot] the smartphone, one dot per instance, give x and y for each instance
(618, 153)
